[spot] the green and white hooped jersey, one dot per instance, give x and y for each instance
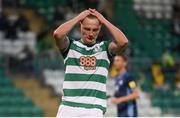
(85, 75)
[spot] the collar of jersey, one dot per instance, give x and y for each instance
(79, 43)
(88, 45)
(121, 76)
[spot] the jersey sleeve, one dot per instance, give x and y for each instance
(131, 82)
(65, 51)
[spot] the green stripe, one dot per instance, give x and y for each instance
(84, 77)
(85, 92)
(83, 105)
(99, 62)
(84, 51)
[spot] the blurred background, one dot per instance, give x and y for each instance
(32, 71)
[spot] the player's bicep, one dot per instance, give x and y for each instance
(115, 48)
(63, 43)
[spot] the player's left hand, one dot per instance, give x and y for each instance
(115, 100)
(98, 15)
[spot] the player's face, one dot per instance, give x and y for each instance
(89, 30)
(119, 62)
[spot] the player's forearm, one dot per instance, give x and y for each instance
(132, 96)
(63, 29)
(116, 33)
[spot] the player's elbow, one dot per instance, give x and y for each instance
(57, 38)
(125, 42)
(121, 47)
(56, 35)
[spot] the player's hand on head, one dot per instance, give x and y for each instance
(83, 15)
(98, 15)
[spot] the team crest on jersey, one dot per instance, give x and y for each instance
(97, 48)
(120, 82)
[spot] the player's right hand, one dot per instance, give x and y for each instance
(83, 15)
(98, 15)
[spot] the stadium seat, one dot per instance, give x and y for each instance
(16, 101)
(5, 82)
(10, 91)
(30, 111)
(55, 79)
(12, 101)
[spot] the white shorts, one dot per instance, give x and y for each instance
(67, 111)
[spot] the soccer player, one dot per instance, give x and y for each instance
(126, 91)
(86, 64)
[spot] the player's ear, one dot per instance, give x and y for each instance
(80, 22)
(125, 64)
(100, 25)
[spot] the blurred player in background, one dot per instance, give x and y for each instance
(86, 64)
(126, 90)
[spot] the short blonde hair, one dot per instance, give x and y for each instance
(92, 17)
